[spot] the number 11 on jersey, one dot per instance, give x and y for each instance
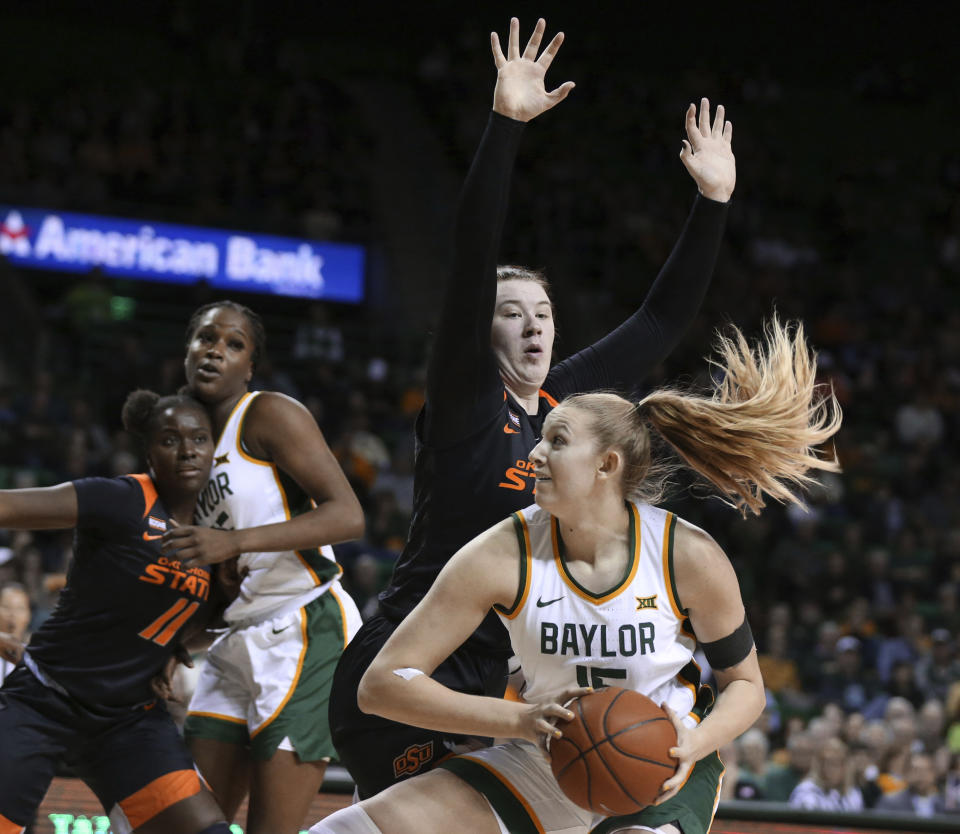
(168, 623)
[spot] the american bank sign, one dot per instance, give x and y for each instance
(166, 252)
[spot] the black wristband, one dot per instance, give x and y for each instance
(730, 650)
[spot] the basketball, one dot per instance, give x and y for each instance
(612, 757)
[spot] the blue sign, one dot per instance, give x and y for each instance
(167, 252)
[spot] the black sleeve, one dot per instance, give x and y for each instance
(622, 358)
(109, 505)
(464, 388)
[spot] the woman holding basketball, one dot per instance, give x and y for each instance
(490, 384)
(277, 499)
(597, 586)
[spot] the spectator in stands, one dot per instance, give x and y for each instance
(853, 725)
(953, 718)
(919, 422)
(397, 478)
(839, 582)
(14, 620)
(779, 670)
(900, 716)
(387, 524)
(931, 725)
(876, 737)
(846, 681)
(865, 768)
(829, 785)
(878, 585)
(40, 419)
(951, 789)
(781, 779)
(939, 666)
(921, 796)
(897, 643)
(858, 621)
(730, 756)
(903, 683)
(947, 615)
(753, 749)
(366, 576)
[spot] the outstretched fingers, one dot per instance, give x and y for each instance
(558, 95)
(520, 92)
(550, 52)
(513, 44)
(690, 124)
(718, 122)
(530, 53)
(704, 116)
(498, 57)
(707, 153)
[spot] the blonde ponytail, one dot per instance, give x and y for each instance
(757, 434)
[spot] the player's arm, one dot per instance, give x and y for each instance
(622, 358)
(397, 685)
(281, 430)
(464, 389)
(48, 508)
(707, 587)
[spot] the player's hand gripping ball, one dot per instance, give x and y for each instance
(613, 756)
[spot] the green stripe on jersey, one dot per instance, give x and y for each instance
(634, 535)
(703, 702)
(670, 578)
(298, 502)
(522, 541)
(504, 801)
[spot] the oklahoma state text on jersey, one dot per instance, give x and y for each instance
(125, 602)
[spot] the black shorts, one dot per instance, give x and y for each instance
(379, 752)
(133, 760)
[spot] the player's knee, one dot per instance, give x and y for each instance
(351, 820)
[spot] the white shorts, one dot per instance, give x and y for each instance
(517, 781)
(524, 771)
(268, 684)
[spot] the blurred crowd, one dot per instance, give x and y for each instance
(854, 603)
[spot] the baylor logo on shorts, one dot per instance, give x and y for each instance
(412, 759)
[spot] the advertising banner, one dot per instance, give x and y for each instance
(172, 253)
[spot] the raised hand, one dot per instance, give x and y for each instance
(520, 92)
(707, 153)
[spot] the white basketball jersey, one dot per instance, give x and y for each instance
(632, 635)
(247, 492)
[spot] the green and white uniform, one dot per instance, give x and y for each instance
(267, 679)
(634, 635)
